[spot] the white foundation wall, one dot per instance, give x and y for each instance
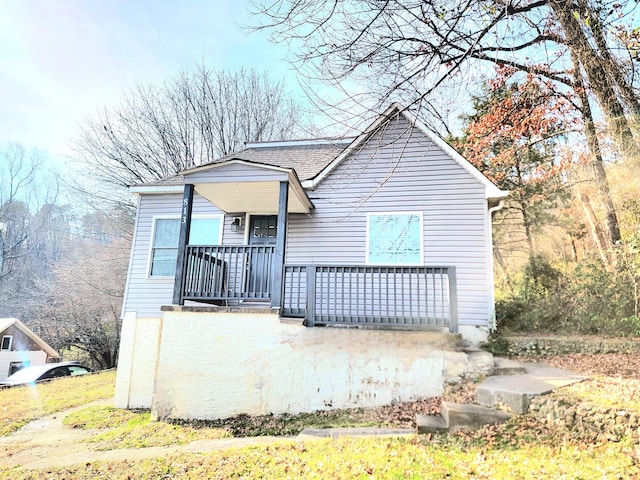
(224, 364)
(137, 361)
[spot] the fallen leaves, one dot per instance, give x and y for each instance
(623, 365)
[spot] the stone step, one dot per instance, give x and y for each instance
(460, 416)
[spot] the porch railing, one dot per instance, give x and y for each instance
(223, 272)
(368, 295)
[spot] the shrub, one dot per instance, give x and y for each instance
(591, 298)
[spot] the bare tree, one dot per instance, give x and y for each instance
(191, 119)
(28, 212)
(418, 51)
(78, 308)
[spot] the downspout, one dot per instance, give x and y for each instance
(499, 206)
(492, 299)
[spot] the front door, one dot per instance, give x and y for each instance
(262, 231)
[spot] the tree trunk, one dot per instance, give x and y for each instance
(597, 162)
(594, 228)
(600, 75)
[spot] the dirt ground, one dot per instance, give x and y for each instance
(47, 443)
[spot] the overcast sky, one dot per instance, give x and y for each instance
(61, 60)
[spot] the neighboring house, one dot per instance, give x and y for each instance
(21, 347)
(388, 233)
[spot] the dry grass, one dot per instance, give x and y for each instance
(378, 458)
(522, 448)
(117, 428)
(20, 405)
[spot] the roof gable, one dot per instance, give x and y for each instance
(306, 157)
(5, 323)
(492, 191)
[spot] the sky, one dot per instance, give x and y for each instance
(62, 60)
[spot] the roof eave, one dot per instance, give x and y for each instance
(359, 140)
(156, 189)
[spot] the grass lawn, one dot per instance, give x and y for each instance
(414, 458)
(118, 428)
(519, 449)
(20, 405)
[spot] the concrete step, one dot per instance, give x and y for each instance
(431, 424)
(460, 416)
(516, 391)
(504, 366)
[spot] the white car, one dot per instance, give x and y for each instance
(39, 373)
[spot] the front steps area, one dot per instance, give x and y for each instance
(512, 385)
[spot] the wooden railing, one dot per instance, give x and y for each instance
(227, 272)
(391, 297)
(367, 295)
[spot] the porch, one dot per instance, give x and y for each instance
(348, 295)
(393, 297)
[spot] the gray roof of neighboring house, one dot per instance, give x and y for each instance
(307, 158)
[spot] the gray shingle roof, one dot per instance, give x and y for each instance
(166, 181)
(306, 160)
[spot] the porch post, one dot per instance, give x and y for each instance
(453, 299)
(185, 227)
(278, 268)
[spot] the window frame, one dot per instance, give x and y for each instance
(420, 216)
(154, 223)
(10, 337)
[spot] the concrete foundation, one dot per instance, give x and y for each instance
(203, 365)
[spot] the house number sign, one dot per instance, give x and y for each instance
(185, 209)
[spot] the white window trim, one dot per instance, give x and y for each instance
(10, 337)
(154, 222)
(421, 218)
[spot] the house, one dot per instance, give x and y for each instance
(236, 264)
(21, 347)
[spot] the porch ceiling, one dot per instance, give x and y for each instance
(252, 197)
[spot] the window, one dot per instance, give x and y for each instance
(7, 340)
(76, 370)
(166, 233)
(394, 238)
(15, 366)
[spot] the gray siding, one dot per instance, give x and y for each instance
(399, 169)
(236, 172)
(146, 295)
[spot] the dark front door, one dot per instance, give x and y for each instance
(262, 232)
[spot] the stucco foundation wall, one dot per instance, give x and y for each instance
(224, 364)
(137, 361)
